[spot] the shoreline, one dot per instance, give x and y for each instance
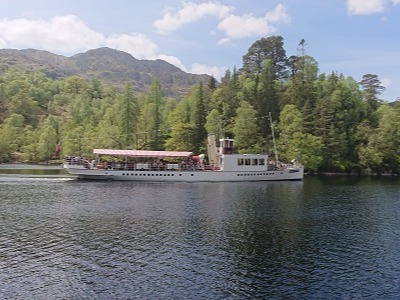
(38, 166)
(332, 174)
(25, 166)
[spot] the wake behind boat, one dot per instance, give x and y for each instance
(221, 165)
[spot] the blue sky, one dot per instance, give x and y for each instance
(352, 37)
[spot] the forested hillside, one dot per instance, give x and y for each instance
(329, 122)
(109, 66)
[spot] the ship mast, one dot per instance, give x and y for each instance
(273, 138)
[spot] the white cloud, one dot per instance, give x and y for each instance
(233, 26)
(367, 7)
(68, 35)
(386, 82)
(278, 14)
(217, 72)
(136, 44)
(190, 13)
(172, 60)
(237, 27)
(3, 43)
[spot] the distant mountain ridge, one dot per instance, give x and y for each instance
(110, 66)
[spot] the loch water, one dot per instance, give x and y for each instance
(321, 238)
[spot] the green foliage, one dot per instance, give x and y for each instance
(225, 99)
(108, 131)
(154, 118)
(293, 143)
(11, 137)
(246, 129)
(30, 150)
(266, 48)
(328, 122)
(382, 152)
(200, 119)
(127, 117)
(47, 141)
(182, 137)
(213, 123)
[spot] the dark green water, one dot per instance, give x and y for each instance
(324, 238)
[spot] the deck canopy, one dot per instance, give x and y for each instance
(141, 153)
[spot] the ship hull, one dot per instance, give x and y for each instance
(188, 176)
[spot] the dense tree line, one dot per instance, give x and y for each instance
(329, 122)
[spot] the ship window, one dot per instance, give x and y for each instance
(254, 162)
(247, 161)
(261, 161)
(240, 161)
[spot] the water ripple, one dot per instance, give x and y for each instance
(108, 240)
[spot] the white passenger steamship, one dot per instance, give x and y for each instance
(222, 165)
